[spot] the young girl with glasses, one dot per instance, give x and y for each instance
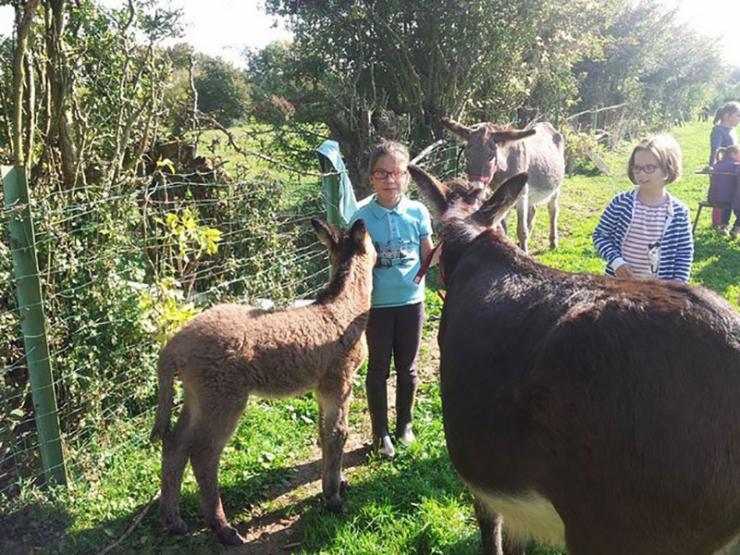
(401, 231)
(645, 232)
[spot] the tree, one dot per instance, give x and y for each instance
(222, 90)
(393, 68)
(85, 92)
(269, 70)
(651, 69)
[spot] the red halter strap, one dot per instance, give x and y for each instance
(430, 259)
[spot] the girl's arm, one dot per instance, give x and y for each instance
(685, 250)
(715, 142)
(603, 237)
(426, 246)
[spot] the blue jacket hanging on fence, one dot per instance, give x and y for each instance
(331, 161)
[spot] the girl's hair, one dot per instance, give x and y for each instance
(387, 148)
(666, 150)
(726, 109)
(728, 150)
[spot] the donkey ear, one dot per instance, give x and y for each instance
(326, 233)
(358, 234)
(434, 190)
(512, 135)
(495, 208)
(457, 128)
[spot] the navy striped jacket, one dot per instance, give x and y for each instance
(677, 244)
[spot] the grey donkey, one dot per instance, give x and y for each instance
(231, 351)
(496, 153)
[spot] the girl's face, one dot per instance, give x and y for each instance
(647, 170)
(735, 156)
(731, 120)
(389, 178)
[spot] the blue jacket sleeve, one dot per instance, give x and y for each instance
(604, 236)
(715, 141)
(685, 249)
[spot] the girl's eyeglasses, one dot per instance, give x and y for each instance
(382, 174)
(648, 169)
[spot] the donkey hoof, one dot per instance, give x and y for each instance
(335, 505)
(228, 535)
(179, 527)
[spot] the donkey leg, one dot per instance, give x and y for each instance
(175, 450)
(334, 432)
(522, 231)
(531, 213)
(554, 209)
(490, 525)
(209, 439)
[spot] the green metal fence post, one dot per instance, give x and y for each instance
(33, 321)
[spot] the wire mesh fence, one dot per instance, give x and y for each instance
(122, 269)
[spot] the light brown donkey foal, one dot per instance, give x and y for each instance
(230, 351)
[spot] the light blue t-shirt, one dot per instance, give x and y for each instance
(396, 235)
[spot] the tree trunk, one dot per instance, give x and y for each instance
(30, 102)
(23, 19)
(60, 85)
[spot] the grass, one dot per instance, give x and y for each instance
(414, 504)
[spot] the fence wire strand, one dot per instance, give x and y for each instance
(113, 274)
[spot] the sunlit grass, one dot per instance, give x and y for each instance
(415, 504)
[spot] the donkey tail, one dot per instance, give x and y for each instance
(166, 372)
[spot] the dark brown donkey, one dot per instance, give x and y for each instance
(230, 352)
(604, 413)
(495, 153)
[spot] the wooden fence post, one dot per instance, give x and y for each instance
(33, 321)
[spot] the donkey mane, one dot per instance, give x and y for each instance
(340, 280)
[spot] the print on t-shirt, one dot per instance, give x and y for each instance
(395, 253)
(654, 257)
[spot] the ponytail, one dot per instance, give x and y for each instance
(726, 109)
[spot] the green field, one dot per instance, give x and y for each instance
(269, 471)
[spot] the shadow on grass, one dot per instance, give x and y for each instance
(33, 527)
(399, 487)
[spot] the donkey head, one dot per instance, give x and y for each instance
(344, 245)
(460, 200)
(484, 140)
(462, 221)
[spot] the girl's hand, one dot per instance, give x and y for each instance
(624, 271)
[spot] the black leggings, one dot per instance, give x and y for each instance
(394, 331)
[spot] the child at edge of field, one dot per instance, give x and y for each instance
(723, 135)
(645, 232)
(401, 231)
(724, 184)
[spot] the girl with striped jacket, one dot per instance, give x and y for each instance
(646, 233)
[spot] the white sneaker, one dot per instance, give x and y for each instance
(384, 447)
(407, 436)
